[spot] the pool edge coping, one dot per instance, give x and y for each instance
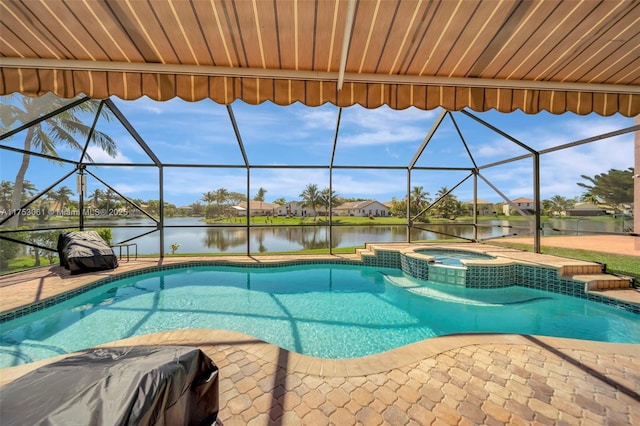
(382, 362)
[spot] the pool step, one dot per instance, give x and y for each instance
(603, 282)
(365, 252)
(369, 250)
(588, 272)
(581, 269)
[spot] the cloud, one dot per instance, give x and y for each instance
(384, 116)
(202, 132)
(380, 137)
(195, 182)
(594, 125)
(383, 126)
(387, 150)
(314, 118)
(134, 190)
(98, 155)
(153, 109)
(288, 183)
(370, 183)
(498, 149)
(561, 170)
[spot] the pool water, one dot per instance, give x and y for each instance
(452, 258)
(333, 311)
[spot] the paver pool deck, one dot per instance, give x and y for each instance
(465, 379)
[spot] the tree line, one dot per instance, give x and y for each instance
(613, 189)
(219, 200)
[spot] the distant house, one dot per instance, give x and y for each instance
(525, 204)
(257, 208)
(627, 209)
(485, 208)
(185, 210)
(362, 208)
(296, 209)
(585, 209)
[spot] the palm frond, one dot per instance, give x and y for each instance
(11, 116)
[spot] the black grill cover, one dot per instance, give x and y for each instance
(85, 251)
(153, 385)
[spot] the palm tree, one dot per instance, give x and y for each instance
(6, 190)
(221, 197)
(280, 201)
(557, 204)
(448, 205)
(96, 197)
(260, 194)
(420, 200)
(28, 191)
(311, 197)
(196, 209)
(208, 197)
(235, 197)
(590, 197)
(62, 128)
(109, 196)
(61, 196)
(328, 199)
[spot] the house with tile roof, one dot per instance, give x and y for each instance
(298, 209)
(585, 209)
(525, 204)
(485, 208)
(362, 208)
(257, 208)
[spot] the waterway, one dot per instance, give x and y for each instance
(195, 236)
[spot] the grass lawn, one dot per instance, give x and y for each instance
(26, 262)
(616, 263)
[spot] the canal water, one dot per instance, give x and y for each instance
(192, 237)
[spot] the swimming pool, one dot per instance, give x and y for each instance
(324, 310)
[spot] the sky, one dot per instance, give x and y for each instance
(201, 133)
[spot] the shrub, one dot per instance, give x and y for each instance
(10, 250)
(105, 233)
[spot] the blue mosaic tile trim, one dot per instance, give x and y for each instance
(548, 279)
(497, 276)
(490, 276)
(629, 307)
(417, 268)
(383, 259)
